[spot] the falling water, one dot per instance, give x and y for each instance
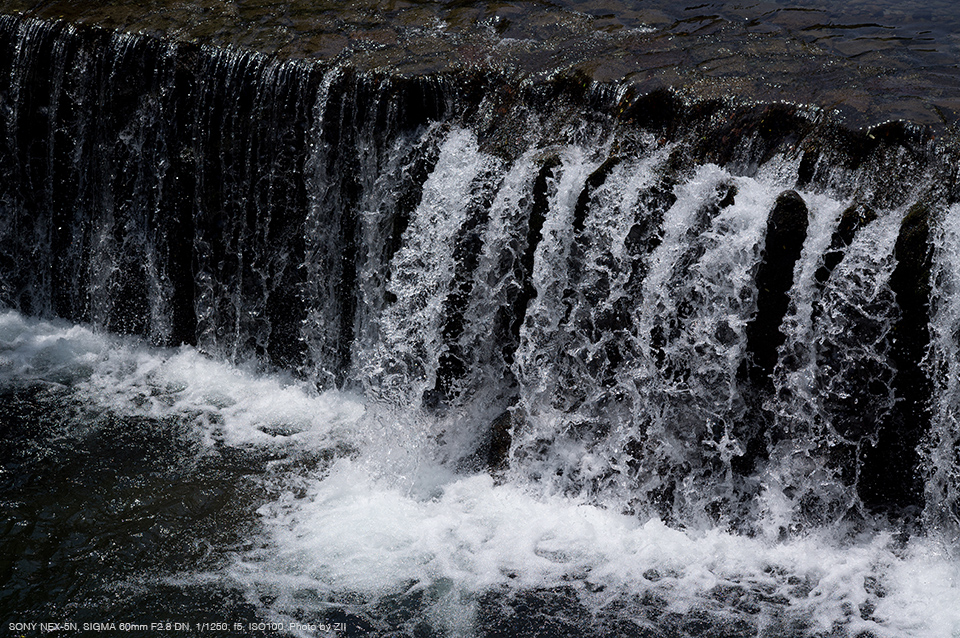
(358, 353)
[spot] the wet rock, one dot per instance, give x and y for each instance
(660, 109)
(596, 179)
(858, 146)
(889, 478)
(500, 115)
(807, 168)
(852, 220)
(786, 231)
(767, 129)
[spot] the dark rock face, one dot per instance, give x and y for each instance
(889, 477)
(851, 221)
(786, 232)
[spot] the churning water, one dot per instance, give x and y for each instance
(343, 510)
(305, 349)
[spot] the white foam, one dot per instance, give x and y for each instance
(232, 405)
(393, 519)
(354, 533)
(45, 351)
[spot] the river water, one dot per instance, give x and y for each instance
(420, 319)
(870, 61)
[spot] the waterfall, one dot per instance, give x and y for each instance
(942, 499)
(498, 344)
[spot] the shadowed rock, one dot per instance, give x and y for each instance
(501, 438)
(786, 232)
(851, 221)
(889, 478)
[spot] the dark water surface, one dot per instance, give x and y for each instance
(97, 506)
(444, 319)
(871, 61)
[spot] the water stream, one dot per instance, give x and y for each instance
(312, 349)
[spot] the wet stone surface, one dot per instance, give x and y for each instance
(869, 62)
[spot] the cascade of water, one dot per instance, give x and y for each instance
(834, 382)
(599, 306)
(28, 270)
(249, 204)
(539, 355)
(322, 246)
(369, 155)
(129, 288)
(942, 465)
(158, 190)
(487, 340)
(697, 302)
(250, 207)
(580, 328)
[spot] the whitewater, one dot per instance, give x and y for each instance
(322, 349)
(382, 517)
